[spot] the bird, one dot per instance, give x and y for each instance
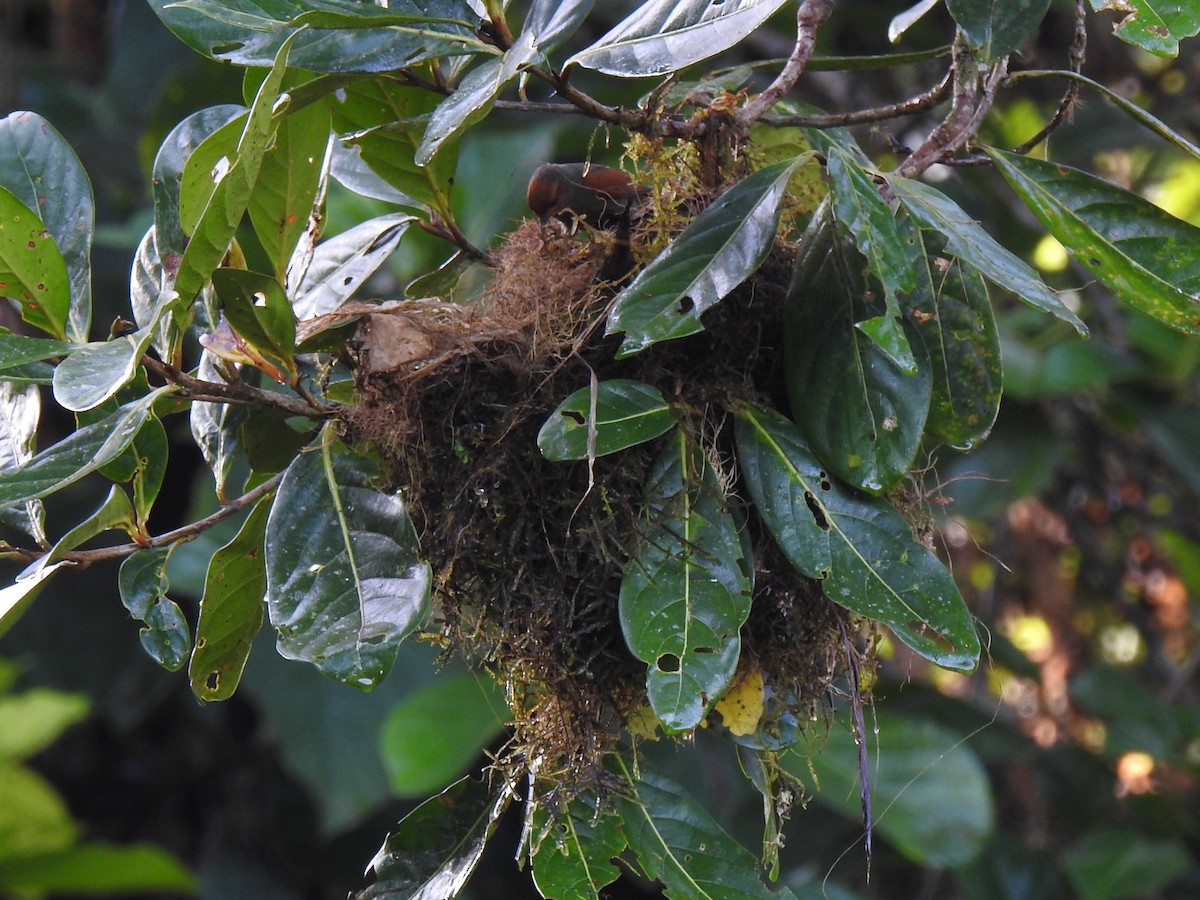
(599, 196)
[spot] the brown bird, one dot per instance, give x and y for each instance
(597, 195)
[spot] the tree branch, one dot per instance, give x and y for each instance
(911, 106)
(809, 18)
(236, 392)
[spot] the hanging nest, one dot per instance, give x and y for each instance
(528, 554)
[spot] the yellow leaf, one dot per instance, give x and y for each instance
(742, 706)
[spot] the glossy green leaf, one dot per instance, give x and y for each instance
(231, 610)
(343, 263)
(719, 250)
(1147, 257)
(664, 36)
(258, 310)
(930, 792)
(95, 372)
(362, 37)
(550, 22)
(890, 249)
(862, 413)
(966, 239)
(151, 290)
(215, 427)
(1154, 25)
(686, 593)
(573, 859)
(344, 581)
(31, 721)
(618, 414)
(17, 350)
(84, 451)
(17, 597)
(143, 465)
(20, 411)
(678, 843)
(1116, 863)
(959, 331)
(98, 868)
(288, 183)
(435, 848)
(387, 121)
(423, 749)
(32, 270)
(470, 102)
(995, 28)
(349, 170)
(116, 512)
(142, 580)
(42, 171)
(859, 546)
(232, 185)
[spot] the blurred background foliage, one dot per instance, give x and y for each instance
(1065, 767)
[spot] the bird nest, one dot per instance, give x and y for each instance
(528, 554)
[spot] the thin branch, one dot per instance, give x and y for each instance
(809, 18)
(236, 392)
(1066, 106)
(909, 107)
(82, 558)
(449, 231)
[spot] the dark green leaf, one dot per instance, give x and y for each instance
(1154, 25)
(258, 310)
(891, 250)
(686, 593)
(231, 610)
(574, 852)
(863, 415)
(666, 35)
(719, 250)
(995, 28)
(966, 239)
(16, 349)
(250, 32)
(42, 171)
(616, 415)
(1147, 257)
(342, 264)
(98, 868)
(143, 583)
(288, 183)
(32, 270)
(116, 512)
(344, 582)
(423, 749)
(437, 846)
(929, 789)
(469, 103)
(679, 843)
(83, 452)
(1114, 864)
(215, 427)
(270, 442)
(859, 546)
(95, 372)
(232, 184)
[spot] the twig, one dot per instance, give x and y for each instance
(809, 18)
(236, 392)
(449, 231)
(1066, 106)
(82, 558)
(911, 106)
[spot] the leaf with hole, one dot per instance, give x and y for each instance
(1156, 26)
(573, 854)
(616, 415)
(258, 310)
(859, 547)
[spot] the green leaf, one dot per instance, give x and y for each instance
(114, 513)
(573, 859)
(142, 579)
(98, 868)
(344, 582)
(33, 817)
(423, 749)
(232, 187)
(1154, 25)
(664, 36)
(17, 597)
(231, 610)
(342, 264)
(33, 720)
(471, 101)
(686, 593)
(859, 546)
(1114, 864)
(889, 248)
(618, 414)
(387, 121)
(20, 410)
(995, 28)
(250, 32)
(551, 22)
(719, 250)
(32, 270)
(966, 239)
(288, 183)
(16, 349)
(83, 452)
(929, 789)
(258, 310)
(678, 843)
(215, 427)
(95, 372)
(862, 413)
(959, 331)
(436, 847)
(1147, 257)
(42, 171)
